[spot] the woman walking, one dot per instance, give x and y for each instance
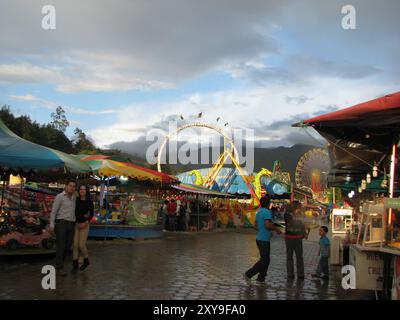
(83, 214)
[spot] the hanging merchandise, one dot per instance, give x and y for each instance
(375, 171)
(363, 184)
(384, 183)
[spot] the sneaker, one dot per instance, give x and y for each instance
(247, 279)
(316, 275)
(260, 283)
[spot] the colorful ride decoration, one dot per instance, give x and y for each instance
(257, 182)
(312, 173)
(199, 179)
(232, 213)
(279, 174)
(142, 211)
(134, 209)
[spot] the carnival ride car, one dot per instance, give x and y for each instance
(27, 230)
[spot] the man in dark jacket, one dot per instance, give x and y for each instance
(295, 232)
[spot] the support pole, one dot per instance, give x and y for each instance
(2, 193)
(392, 178)
(198, 213)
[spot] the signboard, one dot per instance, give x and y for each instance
(393, 203)
(369, 268)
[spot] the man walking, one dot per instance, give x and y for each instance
(62, 221)
(295, 232)
(264, 228)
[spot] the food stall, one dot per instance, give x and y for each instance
(365, 255)
(341, 223)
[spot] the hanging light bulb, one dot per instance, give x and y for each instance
(363, 184)
(368, 178)
(384, 181)
(375, 171)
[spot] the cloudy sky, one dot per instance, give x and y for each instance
(120, 68)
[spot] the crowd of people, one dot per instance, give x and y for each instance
(295, 232)
(175, 215)
(72, 212)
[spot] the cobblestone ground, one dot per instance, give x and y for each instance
(181, 266)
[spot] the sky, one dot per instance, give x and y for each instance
(121, 68)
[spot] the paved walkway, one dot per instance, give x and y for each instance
(181, 266)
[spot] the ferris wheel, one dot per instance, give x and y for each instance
(228, 142)
(312, 171)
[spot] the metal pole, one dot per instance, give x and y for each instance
(198, 213)
(392, 178)
(20, 196)
(2, 193)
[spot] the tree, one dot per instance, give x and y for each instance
(82, 144)
(59, 118)
(45, 135)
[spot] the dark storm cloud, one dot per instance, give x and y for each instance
(151, 44)
(166, 40)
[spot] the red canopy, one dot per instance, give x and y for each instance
(365, 131)
(361, 113)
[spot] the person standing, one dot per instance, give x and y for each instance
(264, 227)
(324, 250)
(62, 220)
(294, 234)
(165, 215)
(182, 216)
(172, 207)
(83, 214)
(187, 216)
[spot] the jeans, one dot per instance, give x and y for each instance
(172, 222)
(294, 246)
(165, 220)
(261, 266)
(323, 266)
(64, 236)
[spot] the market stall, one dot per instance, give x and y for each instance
(128, 209)
(363, 142)
(24, 208)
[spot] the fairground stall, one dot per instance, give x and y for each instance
(363, 146)
(25, 207)
(127, 198)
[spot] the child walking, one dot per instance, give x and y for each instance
(324, 249)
